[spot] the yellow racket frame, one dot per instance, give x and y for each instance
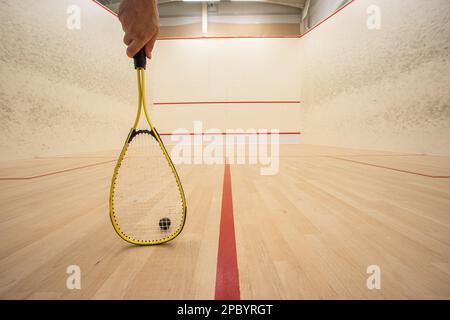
(143, 105)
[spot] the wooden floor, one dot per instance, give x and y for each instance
(309, 232)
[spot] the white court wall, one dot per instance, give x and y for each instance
(70, 91)
(226, 70)
(382, 89)
(62, 91)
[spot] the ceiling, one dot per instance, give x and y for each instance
(113, 4)
(290, 3)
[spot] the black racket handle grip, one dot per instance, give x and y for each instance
(140, 59)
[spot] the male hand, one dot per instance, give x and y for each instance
(140, 21)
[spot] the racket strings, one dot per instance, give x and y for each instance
(147, 199)
(146, 192)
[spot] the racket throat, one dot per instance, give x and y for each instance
(134, 133)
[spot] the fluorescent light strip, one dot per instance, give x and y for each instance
(204, 17)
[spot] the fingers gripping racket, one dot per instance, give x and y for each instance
(147, 201)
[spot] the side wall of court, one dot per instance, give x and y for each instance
(384, 89)
(62, 91)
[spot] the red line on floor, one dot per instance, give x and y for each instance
(393, 169)
(227, 276)
(224, 102)
(55, 172)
